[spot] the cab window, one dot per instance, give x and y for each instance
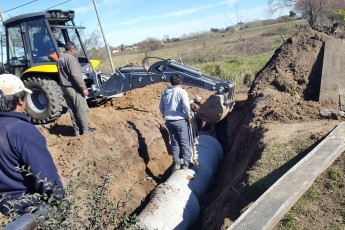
(17, 55)
(40, 41)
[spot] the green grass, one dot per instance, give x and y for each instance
(323, 200)
(234, 68)
(311, 195)
(289, 220)
(274, 159)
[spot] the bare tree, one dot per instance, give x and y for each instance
(275, 5)
(92, 42)
(313, 10)
(94, 45)
(337, 4)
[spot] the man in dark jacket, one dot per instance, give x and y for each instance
(22, 147)
(74, 90)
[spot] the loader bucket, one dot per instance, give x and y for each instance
(215, 108)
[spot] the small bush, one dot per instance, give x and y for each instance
(214, 70)
(149, 45)
(334, 175)
(248, 77)
(85, 206)
(234, 61)
(289, 221)
(311, 194)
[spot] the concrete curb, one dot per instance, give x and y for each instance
(266, 212)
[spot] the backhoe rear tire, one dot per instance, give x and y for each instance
(44, 105)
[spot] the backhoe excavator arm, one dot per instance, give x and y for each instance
(128, 78)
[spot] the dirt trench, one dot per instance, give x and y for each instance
(130, 144)
(281, 106)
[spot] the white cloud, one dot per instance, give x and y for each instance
(90, 7)
(110, 2)
(178, 13)
(84, 9)
(229, 2)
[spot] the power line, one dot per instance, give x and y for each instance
(58, 4)
(19, 6)
(32, 2)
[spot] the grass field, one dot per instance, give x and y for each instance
(234, 56)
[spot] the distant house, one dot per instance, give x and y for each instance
(132, 48)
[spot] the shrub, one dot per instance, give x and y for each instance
(248, 77)
(149, 44)
(85, 205)
(214, 70)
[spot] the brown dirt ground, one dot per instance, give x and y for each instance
(131, 139)
(131, 142)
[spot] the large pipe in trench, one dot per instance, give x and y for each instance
(174, 204)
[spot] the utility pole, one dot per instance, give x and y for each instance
(103, 34)
(2, 25)
(1, 16)
(11, 47)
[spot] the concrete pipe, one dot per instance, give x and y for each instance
(175, 203)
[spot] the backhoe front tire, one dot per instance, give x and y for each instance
(44, 105)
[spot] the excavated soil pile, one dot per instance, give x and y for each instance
(130, 144)
(282, 102)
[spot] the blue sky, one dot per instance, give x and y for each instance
(130, 21)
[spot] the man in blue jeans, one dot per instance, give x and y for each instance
(175, 108)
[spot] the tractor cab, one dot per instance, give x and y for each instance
(33, 45)
(31, 40)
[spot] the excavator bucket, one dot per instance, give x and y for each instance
(215, 108)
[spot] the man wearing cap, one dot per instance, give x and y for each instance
(22, 146)
(74, 90)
